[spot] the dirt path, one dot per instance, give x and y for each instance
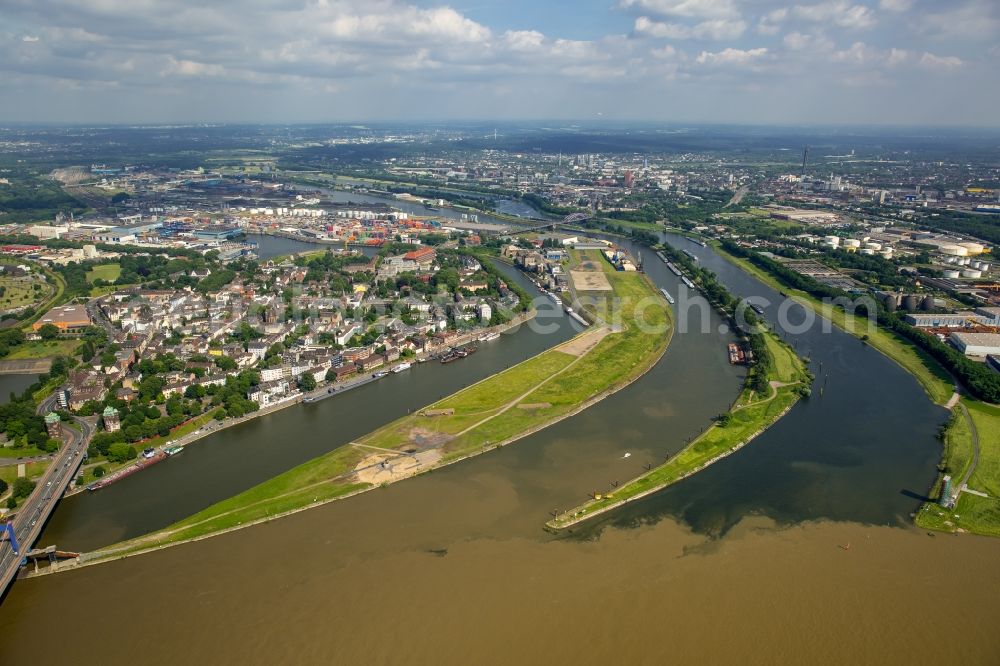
(775, 385)
(598, 334)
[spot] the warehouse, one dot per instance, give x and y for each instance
(67, 318)
(218, 233)
(976, 344)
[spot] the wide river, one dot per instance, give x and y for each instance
(796, 549)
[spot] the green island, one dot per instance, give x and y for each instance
(971, 438)
(774, 384)
(632, 327)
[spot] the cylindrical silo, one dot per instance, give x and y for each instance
(911, 302)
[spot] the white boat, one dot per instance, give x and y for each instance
(490, 337)
(401, 367)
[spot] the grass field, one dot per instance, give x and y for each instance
(25, 452)
(749, 416)
(936, 382)
(501, 408)
(972, 513)
(44, 349)
(19, 292)
(106, 272)
(32, 470)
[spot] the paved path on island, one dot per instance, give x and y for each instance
(975, 452)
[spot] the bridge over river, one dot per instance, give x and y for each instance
(36, 509)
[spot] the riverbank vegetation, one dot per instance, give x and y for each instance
(500, 409)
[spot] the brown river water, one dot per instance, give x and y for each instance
(796, 550)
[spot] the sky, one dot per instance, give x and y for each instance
(885, 62)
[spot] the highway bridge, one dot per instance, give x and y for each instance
(36, 509)
(551, 225)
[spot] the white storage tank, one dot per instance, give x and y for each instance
(852, 242)
(954, 250)
(873, 246)
(972, 273)
(866, 251)
(951, 273)
(973, 248)
(886, 254)
(833, 241)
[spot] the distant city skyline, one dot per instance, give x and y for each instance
(886, 62)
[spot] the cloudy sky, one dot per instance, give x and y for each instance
(744, 61)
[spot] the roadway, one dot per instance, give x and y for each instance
(37, 508)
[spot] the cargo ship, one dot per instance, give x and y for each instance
(666, 295)
(673, 269)
(401, 367)
(688, 282)
(690, 254)
(141, 464)
(697, 241)
(756, 308)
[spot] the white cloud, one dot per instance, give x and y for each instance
(839, 12)
(665, 53)
(717, 29)
(895, 5)
(869, 57)
(897, 57)
(686, 8)
(975, 20)
(797, 41)
(731, 56)
(29, 39)
(931, 61)
(193, 68)
(524, 40)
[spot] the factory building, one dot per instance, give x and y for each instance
(217, 233)
(127, 233)
(976, 344)
(67, 318)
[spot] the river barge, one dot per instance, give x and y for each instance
(138, 466)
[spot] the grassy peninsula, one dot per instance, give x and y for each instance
(525, 398)
(752, 413)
